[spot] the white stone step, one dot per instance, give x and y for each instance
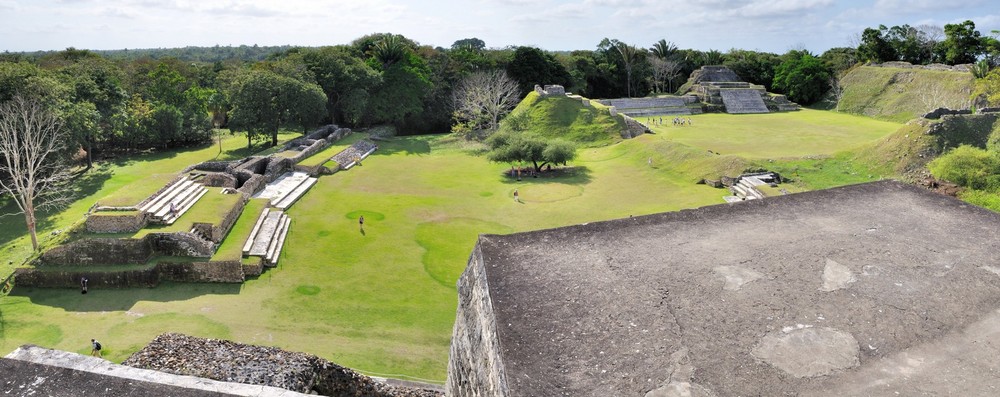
(267, 230)
(167, 195)
(294, 195)
(186, 206)
(173, 185)
(253, 233)
(277, 241)
(162, 210)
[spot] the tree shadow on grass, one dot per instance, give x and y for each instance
(98, 300)
(412, 145)
(576, 175)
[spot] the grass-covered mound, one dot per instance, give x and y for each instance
(565, 118)
(899, 95)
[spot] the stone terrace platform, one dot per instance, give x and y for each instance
(287, 189)
(32, 370)
(874, 289)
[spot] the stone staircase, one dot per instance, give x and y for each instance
(746, 187)
(287, 189)
(268, 236)
(181, 196)
(743, 101)
(636, 107)
(359, 150)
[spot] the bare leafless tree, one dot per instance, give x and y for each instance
(836, 91)
(664, 72)
(31, 140)
(482, 98)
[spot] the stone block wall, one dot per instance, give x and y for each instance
(633, 128)
(277, 167)
(201, 272)
(116, 222)
(475, 367)
(27, 277)
(100, 251)
(180, 244)
(219, 179)
(218, 232)
(314, 148)
(252, 185)
(212, 166)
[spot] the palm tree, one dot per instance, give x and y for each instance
(389, 50)
(663, 49)
(630, 55)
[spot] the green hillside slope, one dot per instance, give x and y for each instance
(897, 94)
(565, 118)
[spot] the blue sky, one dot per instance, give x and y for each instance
(767, 25)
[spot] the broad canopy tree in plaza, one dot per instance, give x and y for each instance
(32, 142)
(482, 98)
(263, 101)
(519, 147)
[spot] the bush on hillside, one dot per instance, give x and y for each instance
(970, 167)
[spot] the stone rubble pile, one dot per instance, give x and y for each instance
(260, 365)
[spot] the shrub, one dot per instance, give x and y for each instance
(970, 167)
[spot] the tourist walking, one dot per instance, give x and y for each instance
(361, 222)
(95, 348)
(516, 198)
(83, 285)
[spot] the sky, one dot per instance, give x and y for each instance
(555, 25)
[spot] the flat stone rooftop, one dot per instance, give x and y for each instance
(872, 289)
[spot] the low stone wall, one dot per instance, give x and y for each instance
(255, 268)
(116, 222)
(633, 127)
(964, 68)
(191, 272)
(100, 251)
(28, 277)
(212, 166)
(277, 167)
(201, 272)
(475, 367)
(256, 165)
(937, 113)
(180, 244)
(316, 147)
(260, 365)
(219, 179)
(252, 185)
(218, 232)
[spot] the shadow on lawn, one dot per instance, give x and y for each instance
(578, 175)
(98, 300)
(405, 146)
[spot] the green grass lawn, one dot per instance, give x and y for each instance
(383, 300)
(777, 135)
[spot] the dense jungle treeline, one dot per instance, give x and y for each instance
(162, 98)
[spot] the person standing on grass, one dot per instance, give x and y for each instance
(83, 285)
(361, 222)
(95, 348)
(516, 198)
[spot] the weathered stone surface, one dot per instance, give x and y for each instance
(597, 309)
(735, 276)
(116, 222)
(808, 351)
(836, 276)
(260, 365)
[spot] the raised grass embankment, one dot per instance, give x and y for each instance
(565, 118)
(898, 94)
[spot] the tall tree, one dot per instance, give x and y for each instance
(663, 49)
(264, 101)
(801, 76)
(31, 142)
(482, 98)
(962, 43)
(630, 56)
(874, 47)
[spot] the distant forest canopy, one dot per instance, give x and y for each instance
(190, 54)
(161, 98)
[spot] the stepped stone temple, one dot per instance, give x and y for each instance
(719, 86)
(874, 289)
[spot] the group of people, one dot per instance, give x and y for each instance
(677, 121)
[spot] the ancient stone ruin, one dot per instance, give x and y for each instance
(719, 88)
(125, 262)
(874, 289)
